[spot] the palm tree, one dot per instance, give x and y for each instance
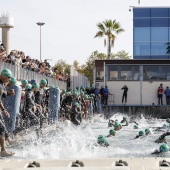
(168, 48)
(109, 29)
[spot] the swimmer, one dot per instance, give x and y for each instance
(110, 123)
(162, 138)
(141, 134)
(163, 148)
(147, 131)
(135, 127)
(117, 126)
(111, 133)
(102, 141)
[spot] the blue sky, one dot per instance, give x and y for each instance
(70, 26)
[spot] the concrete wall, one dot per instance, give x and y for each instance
(146, 88)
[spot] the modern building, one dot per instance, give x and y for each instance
(151, 32)
(143, 77)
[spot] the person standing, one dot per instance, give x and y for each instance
(106, 95)
(160, 94)
(167, 93)
(124, 96)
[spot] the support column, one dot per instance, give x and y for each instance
(6, 39)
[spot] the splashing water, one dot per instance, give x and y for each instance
(69, 141)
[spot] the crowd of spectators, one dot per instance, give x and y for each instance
(19, 58)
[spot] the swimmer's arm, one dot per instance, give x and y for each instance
(156, 152)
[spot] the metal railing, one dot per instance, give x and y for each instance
(22, 73)
(77, 79)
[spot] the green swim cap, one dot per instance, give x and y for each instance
(51, 86)
(109, 123)
(6, 72)
(127, 123)
(24, 82)
(76, 104)
(36, 85)
(164, 126)
(136, 127)
(64, 90)
(13, 80)
(164, 148)
(44, 81)
(116, 125)
(112, 131)
(106, 142)
(28, 86)
(86, 96)
(147, 131)
(75, 94)
(124, 118)
(101, 138)
(81, 92)
(141, 133)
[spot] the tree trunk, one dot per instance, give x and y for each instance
(109, 48)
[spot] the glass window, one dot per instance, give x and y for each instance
(160, 57)
(141, 57)
(156, 72)
(123, 72)
(141, 22)
(141, 12)
(99, 73)
(141, 48)
(141, 34)
(159, 12)
(159, 22)
(159, 34)
(158, 48)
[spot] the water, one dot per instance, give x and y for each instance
(68, 141)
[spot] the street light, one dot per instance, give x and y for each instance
(40, 24)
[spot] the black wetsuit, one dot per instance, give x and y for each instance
(3, 130)
(75, 115)
(162, 137)
(28, 108)
(125, 88)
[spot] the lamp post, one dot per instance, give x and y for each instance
(40, 24)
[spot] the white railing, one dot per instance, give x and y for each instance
(77, 79)
(22, 73)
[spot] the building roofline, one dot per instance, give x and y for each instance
(150, 6)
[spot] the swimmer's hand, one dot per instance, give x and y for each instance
(156, 152)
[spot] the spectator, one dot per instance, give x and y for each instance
(124, 96)
(167, 93)
(160, 94)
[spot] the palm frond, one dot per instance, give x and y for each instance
(99, 34)
(108, 23)
(101, 27)
(119, 30)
